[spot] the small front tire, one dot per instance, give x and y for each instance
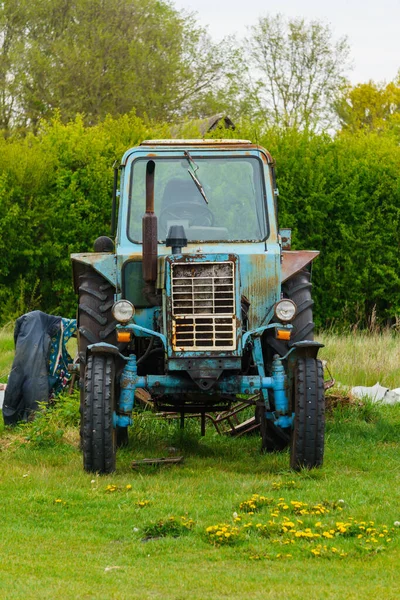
(99, 440)
(307, 442)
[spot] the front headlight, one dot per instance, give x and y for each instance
(123, 311)
(285, 310)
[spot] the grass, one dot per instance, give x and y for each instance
(6, 351)
(363, 358)
(68, 534)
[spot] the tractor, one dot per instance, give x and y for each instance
(197, 298)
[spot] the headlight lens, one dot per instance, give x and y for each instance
(285, 310)
(123, 311)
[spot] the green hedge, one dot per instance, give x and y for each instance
(340, 196)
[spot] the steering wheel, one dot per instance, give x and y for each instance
(197, 214)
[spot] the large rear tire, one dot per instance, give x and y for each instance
(298, 288)
(95, 320)
(99, 439)
(307, 442)
(273, 438)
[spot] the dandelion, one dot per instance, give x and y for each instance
(58, 500)
(143, 503)
(129, 487)
(396, 523)
(111, 488)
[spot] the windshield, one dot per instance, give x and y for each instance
(233, 187)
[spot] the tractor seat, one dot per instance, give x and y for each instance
(180, 191)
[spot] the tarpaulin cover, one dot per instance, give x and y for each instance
(28, 382)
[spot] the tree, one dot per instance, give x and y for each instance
(99, 57)
(299, 71)
(370, 106)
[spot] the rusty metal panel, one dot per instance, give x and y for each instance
(295, 260)
(260, 283)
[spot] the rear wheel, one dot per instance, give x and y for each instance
(98, 433)
(298, 288)
(95, 320)
(307, 442)
(273, 438)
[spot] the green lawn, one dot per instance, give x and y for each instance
(67, 534)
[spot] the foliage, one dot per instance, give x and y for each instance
(170, 527)
(51, 421)
(371, 106)
(340, 196)
(299, 71)
(97, 58)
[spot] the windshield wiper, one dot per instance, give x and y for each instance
(192, 173)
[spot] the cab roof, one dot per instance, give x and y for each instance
(196, 142)
(212, 144)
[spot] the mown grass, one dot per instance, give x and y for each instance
(68, 534)
(74, 535)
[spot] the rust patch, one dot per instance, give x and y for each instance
(261, 282)
(295, 260)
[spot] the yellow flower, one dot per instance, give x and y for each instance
(58, 500)
(129, 487)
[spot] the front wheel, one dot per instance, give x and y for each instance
(98, 433)
(307, 442)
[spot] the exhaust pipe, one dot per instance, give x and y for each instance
(150, 240)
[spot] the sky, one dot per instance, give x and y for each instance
(371, 26)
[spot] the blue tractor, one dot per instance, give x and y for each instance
(199, 301)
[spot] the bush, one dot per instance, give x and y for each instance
(340, 196)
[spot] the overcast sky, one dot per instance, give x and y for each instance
(371, 26)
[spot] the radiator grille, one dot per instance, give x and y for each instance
(203, 306)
